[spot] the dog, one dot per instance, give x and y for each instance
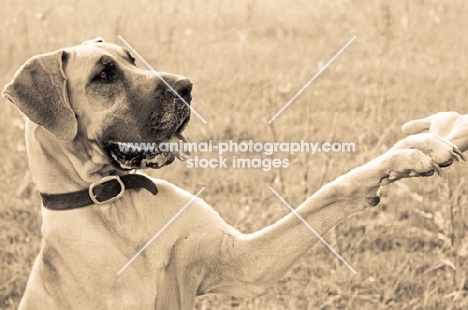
(80, 103)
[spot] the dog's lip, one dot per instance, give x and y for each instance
(137, 158)
(143, 158)
(183, 125)
(183, 154)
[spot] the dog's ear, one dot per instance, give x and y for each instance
(95, 40)
(39, 90)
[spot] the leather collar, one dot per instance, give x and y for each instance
(106, 190)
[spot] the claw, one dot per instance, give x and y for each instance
(456, 157)
(436, 167)
(459, 153)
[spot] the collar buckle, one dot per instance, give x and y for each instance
(102, 182)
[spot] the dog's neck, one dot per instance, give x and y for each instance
(79, 162)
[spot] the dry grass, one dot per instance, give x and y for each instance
(409, 60)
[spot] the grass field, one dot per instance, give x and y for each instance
(246, 60)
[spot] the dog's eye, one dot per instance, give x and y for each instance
(130, 57)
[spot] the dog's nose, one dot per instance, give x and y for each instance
(183, 87)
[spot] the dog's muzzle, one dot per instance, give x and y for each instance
(144, 154)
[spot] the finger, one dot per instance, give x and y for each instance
(416, 126)
(457, 154)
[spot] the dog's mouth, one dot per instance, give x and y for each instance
(142, 155)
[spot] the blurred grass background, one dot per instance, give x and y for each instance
(246, 60)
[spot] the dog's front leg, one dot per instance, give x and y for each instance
(250, 262)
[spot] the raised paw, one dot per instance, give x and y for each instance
(406, 163)
(415, 156)
(442, 151)
(419, 155)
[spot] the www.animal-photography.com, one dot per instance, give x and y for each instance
(208, 154)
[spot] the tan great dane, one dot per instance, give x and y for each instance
(80, 103)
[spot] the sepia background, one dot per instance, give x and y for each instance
(246, 59)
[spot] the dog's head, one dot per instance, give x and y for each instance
(96, 92)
